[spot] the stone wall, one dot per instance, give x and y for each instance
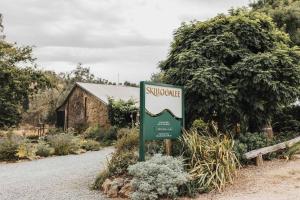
(83, 107)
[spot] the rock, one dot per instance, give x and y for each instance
(106, 185)
(119, 182)
(115, 187)
(113, 191)
(126, 190)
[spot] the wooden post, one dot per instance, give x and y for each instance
(259, 160)
(168, 143)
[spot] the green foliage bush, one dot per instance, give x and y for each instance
(128, 139)
(211, 161)
(285, 136)
(111, 134)
(161, 176)
(120, 161)
(44, 150)
(287, 119)
(236, 68)
(64, 144)
(90, 145)
(17, 82)
(250, 141)
(105, 136)
(199, 125)
(9, 147)
(93, 132)
(120, 112)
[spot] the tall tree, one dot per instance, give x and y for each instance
(235, 69)
(1, 28)
(285, 13)
(82, 74)
(17, 83)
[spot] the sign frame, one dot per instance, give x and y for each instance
(142, 138)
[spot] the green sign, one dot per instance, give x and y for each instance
(161, 113)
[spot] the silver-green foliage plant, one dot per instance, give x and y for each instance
(158, 177)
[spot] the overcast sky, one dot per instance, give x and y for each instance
(128, 37)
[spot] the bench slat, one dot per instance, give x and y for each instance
(276, 147)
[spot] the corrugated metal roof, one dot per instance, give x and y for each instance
(103, 92)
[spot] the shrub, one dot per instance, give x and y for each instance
(44, 150)
(111, 134)
(9, 147)
(26, 151)
(80, 128)
(105, 137)
(122, 112)
(32, 137)
(54, 131)
(255, 140)
(90, 145)
(287, 120)
(199, 125)
(128, 139)
(285, 136)
(93, 132)
(101, 177)
(158, 177)
(120, 161)
(116, 166)
(250, 141)
(212, 162)
(291, 151)
(64, 144)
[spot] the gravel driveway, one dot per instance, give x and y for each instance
(275, 180)
(59, 178)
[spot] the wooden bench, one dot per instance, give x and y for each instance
(258, 153)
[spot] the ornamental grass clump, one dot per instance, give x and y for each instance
(159, 177)
(212, 162)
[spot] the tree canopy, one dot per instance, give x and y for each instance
(285, 13)
(82, 74)
(19, 79)
(235, 69)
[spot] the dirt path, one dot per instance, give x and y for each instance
(276, 180)
(55, 178)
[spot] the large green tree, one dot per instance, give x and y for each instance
(235, 69)
(285, 13)
(19, 79)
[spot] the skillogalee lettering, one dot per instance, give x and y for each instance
(163, 91)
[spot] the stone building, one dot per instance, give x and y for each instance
(87, 104)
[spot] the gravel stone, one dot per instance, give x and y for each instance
(62, 177)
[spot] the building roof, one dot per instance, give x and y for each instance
(104, 92)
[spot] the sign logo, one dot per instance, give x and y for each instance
(161, 112)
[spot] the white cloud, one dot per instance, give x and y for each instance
(111, 36)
